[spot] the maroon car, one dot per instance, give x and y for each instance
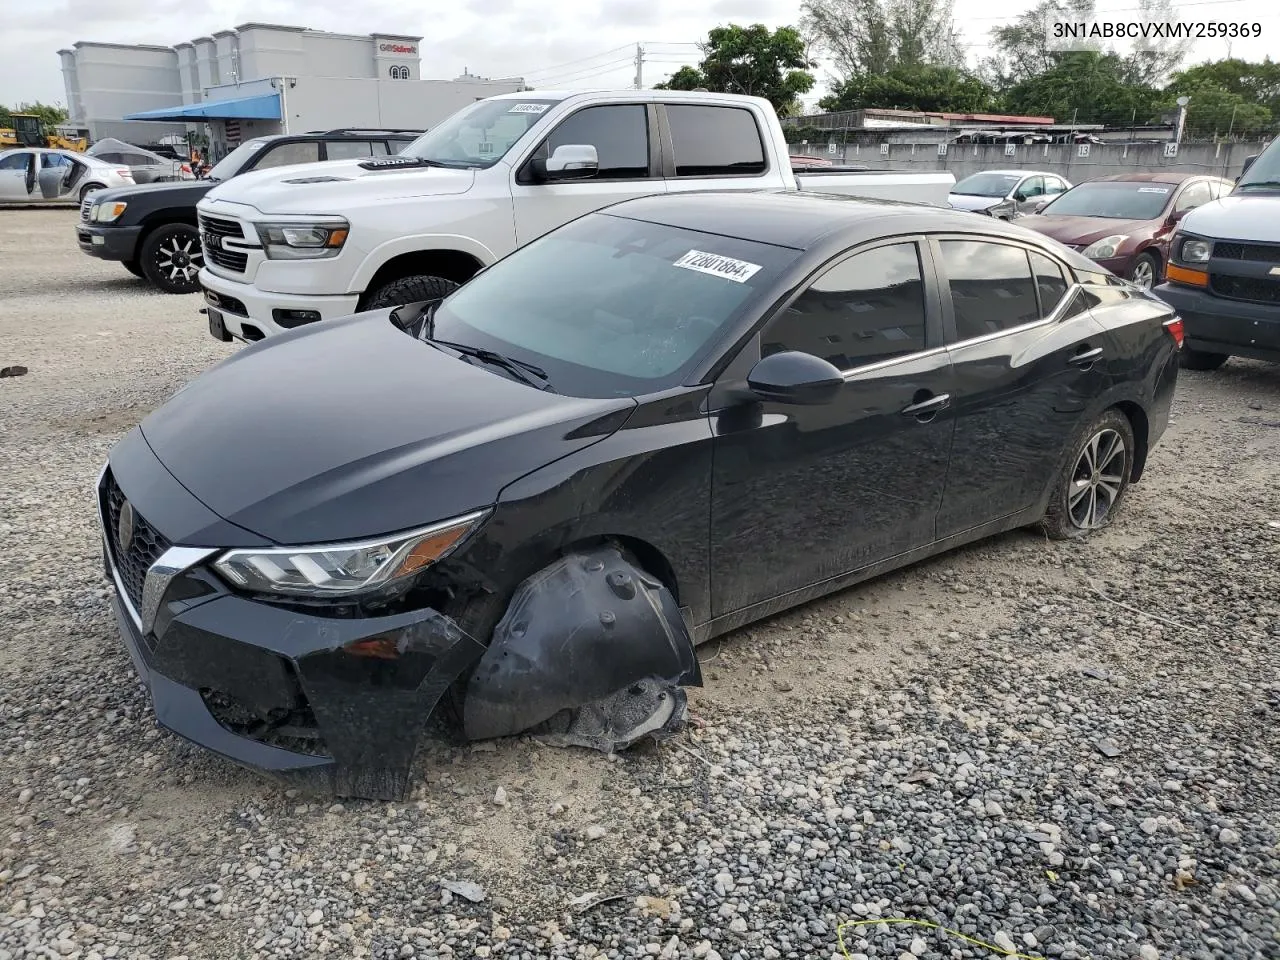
(1125, 221)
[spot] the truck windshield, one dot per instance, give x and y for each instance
(987, 185)
(230, 165)
(611, 307)
(1113, 199)
(1264, 174)
(479, 135)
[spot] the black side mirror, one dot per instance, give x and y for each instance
(1248, 162)
(794, 377)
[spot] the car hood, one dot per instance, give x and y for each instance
(1237, 217)
(352, 429)
(329, 185)
(190, 190)
(1082, 231)
(965, 201)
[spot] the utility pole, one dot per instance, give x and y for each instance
(639, 67)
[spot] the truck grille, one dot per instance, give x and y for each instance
(1257, 252)
(85, 204)
(229, 259)
(1252, 289)
(132, 559)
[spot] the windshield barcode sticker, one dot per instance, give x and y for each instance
(739, 271)
(1153, 189)
(528, 108)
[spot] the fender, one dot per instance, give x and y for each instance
(384, 253)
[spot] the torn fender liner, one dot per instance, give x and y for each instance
(581, 631)
(649, 708)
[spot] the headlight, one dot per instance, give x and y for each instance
(106, 212)
(1195, 251)
(303, 241)
(343, 568)
(1105, 248)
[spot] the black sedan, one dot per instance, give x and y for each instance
(532, 497)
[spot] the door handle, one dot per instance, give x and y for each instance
(927, 408)
(1086, 357)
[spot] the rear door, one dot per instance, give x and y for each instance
(714, 147)
(1027, 359)
(622, 134)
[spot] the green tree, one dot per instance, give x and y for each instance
(1255, 83)
(50, 115)
(751, 60)
(1216, 112)
(916, 87)
(1087, 87)
(873, 36)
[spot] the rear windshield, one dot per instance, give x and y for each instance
(612, 307)
(1113, 199)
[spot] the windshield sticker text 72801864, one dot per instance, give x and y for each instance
(739, 271)
(528, 108)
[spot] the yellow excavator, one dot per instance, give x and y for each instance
(28, 131)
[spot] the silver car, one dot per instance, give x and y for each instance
(1007, 193)
(38, 174)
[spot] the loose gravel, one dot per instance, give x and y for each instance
(1061, 750)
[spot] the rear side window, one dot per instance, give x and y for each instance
(862, 310)
(991, 287)
(1050, 281)
(287, 153)
(1197, 194)
(348, 149)
(620, 135)
(715, 141)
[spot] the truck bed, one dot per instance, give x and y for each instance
(932, 187)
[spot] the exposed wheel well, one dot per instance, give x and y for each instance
(449, 264)
(1137, 418)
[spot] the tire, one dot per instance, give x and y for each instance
(133, 267)
(1076, 506)
(1145, 271)
(171, 259)
(89, 188)
(412, 289)
(1201, 360)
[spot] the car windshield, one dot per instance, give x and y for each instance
(230, 165)
(1264, 174)
(611, 307)
(987, 185)
(1114, 200)
(479, 135)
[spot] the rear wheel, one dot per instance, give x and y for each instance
(1202, 360)
(171, 258)
(133, 267)
(1145, 272)
(412, 289)
(1094, 481)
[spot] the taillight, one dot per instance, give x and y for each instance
(126, 172)
(1174, 327)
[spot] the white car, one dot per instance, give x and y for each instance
(304, 244)
(38, 174)
(1007, 194)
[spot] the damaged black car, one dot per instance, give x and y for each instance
(529, 498)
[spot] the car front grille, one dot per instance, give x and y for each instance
(1256, 252)
(1252, 289)
(133, 559)
(229, 259)
(85, 204)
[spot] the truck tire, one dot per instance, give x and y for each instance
(171, 258)
(1201, 360)
(133, 267)
(412, 289)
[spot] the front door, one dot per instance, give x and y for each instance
(17, 175)
(802, 494)
(628, 168)
(1030, 195)
(1027, 361)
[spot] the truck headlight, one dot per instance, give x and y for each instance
(303, 241)
(1105, 248)
(1195, 251)
(343, 568)
(106, 212)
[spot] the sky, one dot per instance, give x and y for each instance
(565, 44)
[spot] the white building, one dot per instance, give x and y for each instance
(258, 79)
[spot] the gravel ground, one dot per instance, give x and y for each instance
(1066, 751)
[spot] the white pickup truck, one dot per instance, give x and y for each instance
(296, 245)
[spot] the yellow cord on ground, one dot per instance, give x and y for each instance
(932, 926)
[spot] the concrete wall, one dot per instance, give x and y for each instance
(322, 103)
(1224, 160)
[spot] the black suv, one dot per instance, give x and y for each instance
(152, 229)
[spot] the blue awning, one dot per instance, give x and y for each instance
(264, 107)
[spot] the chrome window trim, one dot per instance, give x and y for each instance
(1056, 317)
(854, 372)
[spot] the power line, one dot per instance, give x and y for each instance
(568, 63)
(587, 73)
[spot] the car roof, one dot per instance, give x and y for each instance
(803, 220)
(1017, 173)
(1158, 176)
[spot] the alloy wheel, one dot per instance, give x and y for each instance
(1144, 275)
(1097, 480)
(176, 258)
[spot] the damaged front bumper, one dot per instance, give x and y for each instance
(328, 704)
